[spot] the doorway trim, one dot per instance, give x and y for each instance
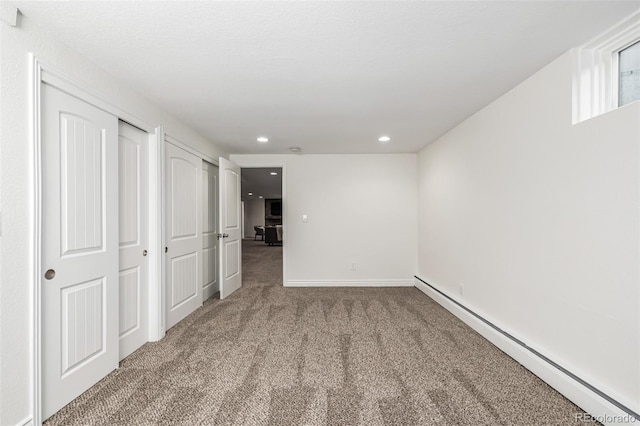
(42, 73)
(282, 164)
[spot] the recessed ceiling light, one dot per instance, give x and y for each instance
(384, 139)
(259, 196)
(251, 193)
(295, 149)
(262, 139)
(274, 174)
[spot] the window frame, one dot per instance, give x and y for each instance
(596, 70)
(616, 65)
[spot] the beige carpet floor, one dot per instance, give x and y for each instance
(270, 355)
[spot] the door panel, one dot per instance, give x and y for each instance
(183, 240)
(82, 323)
(185, 278)
(210, 230)
(231, 248)
(134, 212)
(79, 247)
(81, 193)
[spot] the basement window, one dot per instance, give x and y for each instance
(629, 74)
(607, 71)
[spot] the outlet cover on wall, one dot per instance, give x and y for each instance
(354, 266)
(461, 288)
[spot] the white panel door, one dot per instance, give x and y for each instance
(231, 247)
(79, 247)
(134, 230)
(209, 230)
(183, 240)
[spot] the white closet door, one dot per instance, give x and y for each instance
(231, 247)
(134, 229)
(79, 247)
(183, 240)
(209, 230)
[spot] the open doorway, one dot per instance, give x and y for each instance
(263, 234)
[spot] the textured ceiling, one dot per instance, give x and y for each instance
(329, 77)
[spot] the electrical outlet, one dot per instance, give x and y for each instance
(461, 289)
(354, 266)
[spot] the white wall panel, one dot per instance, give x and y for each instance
(537, 220)
(361, 209)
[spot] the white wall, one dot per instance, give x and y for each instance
(15, 188)
(253, 216)
(360, 208)
(539, 220)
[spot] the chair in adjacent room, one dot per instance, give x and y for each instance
(259, 233)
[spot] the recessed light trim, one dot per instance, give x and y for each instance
(384, 139)
(273, 174)
(262, 139)
(295, 149)
(251, 193)
(260, 196)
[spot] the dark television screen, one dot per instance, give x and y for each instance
(276, 208)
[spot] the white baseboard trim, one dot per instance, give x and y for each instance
(602, 408)
(26, 422)
(349, 283)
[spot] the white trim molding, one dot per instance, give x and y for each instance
(176, 142)
(349, 283)
(595, 402)
(269, 163)
(35, 237)
(595, 73)
(156, 236)
(26, 422)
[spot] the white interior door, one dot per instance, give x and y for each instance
(134, 212)
(183, 240)
(209, 230)
(79, 247)
(230, 229)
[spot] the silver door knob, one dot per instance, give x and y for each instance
(144, 252)
(50, 274)
(225, 235)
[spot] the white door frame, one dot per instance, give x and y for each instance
(41, 73)
(285, 212)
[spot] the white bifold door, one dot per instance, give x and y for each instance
(79, 253)
(210, 283)
(183, 215)
(134, 229)
(230, 228)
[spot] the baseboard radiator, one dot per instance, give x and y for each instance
(601, 406)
